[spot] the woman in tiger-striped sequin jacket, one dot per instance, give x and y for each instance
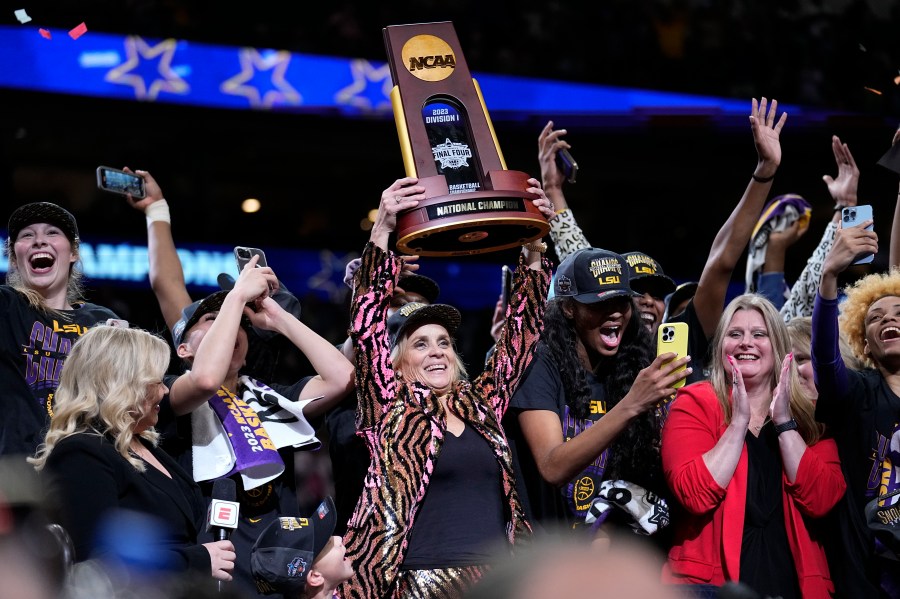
(405, 423)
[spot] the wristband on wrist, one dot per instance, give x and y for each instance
(536, 246)
(839, 207)
(158, 211)
(762, 179)
(790, 425)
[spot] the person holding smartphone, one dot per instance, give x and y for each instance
(439, 493)
(861, 408)
(585, 413)
(211, 336)
(705, 307)
(42, 314)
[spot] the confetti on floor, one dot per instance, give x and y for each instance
(44, 33)
(874, 91)
(77, 32)
(22, 16)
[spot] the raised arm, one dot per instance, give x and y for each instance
(166, 273)
(211, 358)
(334, 373)
(843, 192)
(732, 238)
(565, 233)
(894, 255)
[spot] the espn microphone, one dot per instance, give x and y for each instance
(222, 517)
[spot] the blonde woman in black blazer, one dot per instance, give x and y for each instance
(101, 456)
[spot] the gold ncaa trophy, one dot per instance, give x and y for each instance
(473, 204)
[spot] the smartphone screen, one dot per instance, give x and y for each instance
(117, 181)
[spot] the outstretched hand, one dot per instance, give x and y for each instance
(843, 188)
(766, 135)
(549, 143)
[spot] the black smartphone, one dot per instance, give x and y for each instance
(506, 274)
(567, 164)
(117, 181)
(242, 256)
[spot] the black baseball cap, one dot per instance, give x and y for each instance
(592, 275)
(647, 275)
(424, 286)
(193, 313)
(415, 313)
(43, 212)
(681, 293)
(285, 551)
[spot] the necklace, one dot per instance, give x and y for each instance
(755, 428)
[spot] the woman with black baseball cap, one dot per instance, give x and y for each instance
(584, 422)
(439, 494)
(43, 314)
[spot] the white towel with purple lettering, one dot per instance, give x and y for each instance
(243, 434)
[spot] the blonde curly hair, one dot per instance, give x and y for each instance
(860, 297)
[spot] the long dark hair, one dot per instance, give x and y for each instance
(634, 456)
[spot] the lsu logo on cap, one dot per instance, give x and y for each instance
(564, 285)
(642, 264)
(607, 271)
(292, 523)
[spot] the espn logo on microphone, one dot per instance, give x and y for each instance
(223, 514)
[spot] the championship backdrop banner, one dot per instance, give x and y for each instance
(129, 67)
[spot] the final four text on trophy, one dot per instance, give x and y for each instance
(473, 204)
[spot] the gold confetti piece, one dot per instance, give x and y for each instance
(874, 91)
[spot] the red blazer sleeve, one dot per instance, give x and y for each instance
(691, 430)
(820, 483)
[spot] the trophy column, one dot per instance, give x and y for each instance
(474, 203)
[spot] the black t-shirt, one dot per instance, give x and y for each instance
(349, 459)
(542, 389)
(865, 423)
(33, 348)
(767, 564)
(698, 344)
(258, 507)
(462, 519)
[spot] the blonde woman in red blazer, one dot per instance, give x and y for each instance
(740, 516)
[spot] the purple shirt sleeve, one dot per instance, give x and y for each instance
(831, 376)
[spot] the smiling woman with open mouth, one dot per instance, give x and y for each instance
(42, 313)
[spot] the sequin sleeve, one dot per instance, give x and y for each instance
(519, 336)
(374, 284)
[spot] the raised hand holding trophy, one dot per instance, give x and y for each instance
(474, 203)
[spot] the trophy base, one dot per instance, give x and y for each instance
(475, 222)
